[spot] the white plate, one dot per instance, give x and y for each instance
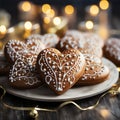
(45, 94)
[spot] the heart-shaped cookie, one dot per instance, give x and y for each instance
(95, 71)
(23, 74)
(67, 42)
(112, 50)
(15, 49)
(87, 43)
(60, 70)
(49, 39)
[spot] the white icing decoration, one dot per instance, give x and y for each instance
(68, 42)
(17, 48)
(23, 73)
(94, 67)
(49, 40)
(113, 47)
(60, 75)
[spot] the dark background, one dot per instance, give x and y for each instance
(11, 6)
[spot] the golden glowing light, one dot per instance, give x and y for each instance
(104, 4)
(94, 10)
(105, 113)
(52, 30)
(103, 32)
(1, 45)
(11, 30)
(46, 20)
(2, 29)
(26, 6)
(69, 9)
(89, 25)
(28, 25)
(45, 8)
(56, 21)
(52, 13)
(118, 69)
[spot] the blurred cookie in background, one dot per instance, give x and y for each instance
(111, 50)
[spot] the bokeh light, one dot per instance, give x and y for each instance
(56, 21)
(89, 25)
(26, 6)
(50, 13)
(46, 8)
(94, 10)
(105, 113)
(104, 4)
(3, 29)
(28, 25)
(69, 9)
(46, 20)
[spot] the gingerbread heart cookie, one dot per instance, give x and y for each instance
(67, 42)
(23, 74)
(87, 43)
(15, 49)
(60, 70)
(77, 35)
(112, 50)
(91, 48)
(95, 71)
(95, 38)
(49, 39)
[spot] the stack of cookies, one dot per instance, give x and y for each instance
(60, 63)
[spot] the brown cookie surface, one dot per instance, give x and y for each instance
(87, 43)
(95, 38)
(95, 71)
(23, 74)
(60, 70)
(67, 42)
(49, 39)
(112, 50)
(15, 49)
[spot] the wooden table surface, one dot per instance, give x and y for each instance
(107, 109)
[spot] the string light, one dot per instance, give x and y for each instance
(26, 6)
(52, 30)
(104, 4)
(28, 25)
(94, 10)
(46, 20)
(89, 25)
(56, 21)
(34, 110)
(118, 69)
(45, 8)
(69, 9)
(51, 13)
(2, 29)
